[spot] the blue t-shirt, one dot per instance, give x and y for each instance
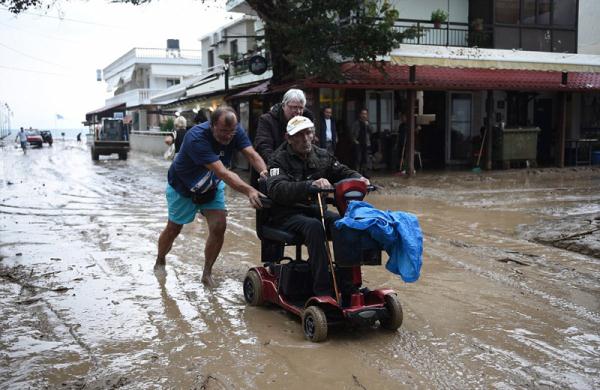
(188, 172)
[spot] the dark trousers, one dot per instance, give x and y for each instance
(311, 228)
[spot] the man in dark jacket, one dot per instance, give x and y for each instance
(327, 131)
(270, 132)
(297, 167)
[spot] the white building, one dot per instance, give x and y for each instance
(134, 77)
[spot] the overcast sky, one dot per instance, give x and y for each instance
(48, 61)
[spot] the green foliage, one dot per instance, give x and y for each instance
(167, 125)
(309, 38)
(439, 16)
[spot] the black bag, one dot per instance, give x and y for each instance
(204, 197)
(295, 279)
(353, 247)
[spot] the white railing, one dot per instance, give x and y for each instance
(134, 97)
(194, 56)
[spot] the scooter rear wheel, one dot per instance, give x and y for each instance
(392, 304)
(253, 291)
(314, 323)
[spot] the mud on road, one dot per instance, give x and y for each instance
(507, 296)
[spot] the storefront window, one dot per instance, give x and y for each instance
(565, 12)
(507, 11)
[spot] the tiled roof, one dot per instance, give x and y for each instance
(445, 78)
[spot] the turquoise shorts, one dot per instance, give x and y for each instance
(182, 210)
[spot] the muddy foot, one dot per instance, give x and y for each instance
(208, 281)
(160, 268)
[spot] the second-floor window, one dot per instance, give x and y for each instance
(211, 59)
(537, 25)
(172, 82)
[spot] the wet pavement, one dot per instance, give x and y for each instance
(509, 294)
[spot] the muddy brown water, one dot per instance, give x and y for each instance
(81, 308)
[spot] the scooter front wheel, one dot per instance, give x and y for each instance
(253, 291)
(392, 304)
(314, 323)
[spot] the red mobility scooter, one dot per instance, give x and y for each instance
(287, 282)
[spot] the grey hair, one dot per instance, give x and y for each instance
(294, 95)
(180, 122)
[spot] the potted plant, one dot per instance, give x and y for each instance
(438, 17)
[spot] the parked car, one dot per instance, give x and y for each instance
(47, 136)
(34, 138)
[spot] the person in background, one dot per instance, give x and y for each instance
(22, 137)
(327, 131)
(196, 184)
(360, 133)
(270, 132)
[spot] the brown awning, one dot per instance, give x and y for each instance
(445, 78)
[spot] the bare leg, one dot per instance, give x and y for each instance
(217, 222)
(165, 242)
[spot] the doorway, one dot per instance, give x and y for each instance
(459, 137)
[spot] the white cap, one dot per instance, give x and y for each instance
(297, 124)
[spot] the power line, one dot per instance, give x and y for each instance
(65, 19)
(43, 35)
(33, 71)
(30, 56)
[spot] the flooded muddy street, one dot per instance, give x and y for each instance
(505, 299)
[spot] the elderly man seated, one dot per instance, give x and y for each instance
(298, 167)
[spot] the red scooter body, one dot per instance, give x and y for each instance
(362, 307)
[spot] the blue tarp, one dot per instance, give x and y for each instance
(398, 232)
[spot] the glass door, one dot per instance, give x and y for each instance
(459, 138)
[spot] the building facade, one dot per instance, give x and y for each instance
(531, 66)
(137, 75)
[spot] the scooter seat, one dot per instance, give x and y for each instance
(279, 235)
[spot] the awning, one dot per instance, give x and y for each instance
(428, 77)
(125, 76)
(473, 57)
(105, 112)
(259, 89)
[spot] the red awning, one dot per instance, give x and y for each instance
(258, 89)
(446, 78)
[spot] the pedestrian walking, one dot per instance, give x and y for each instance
(328, 131)
(196, 184)
(22, 137)
(360, 133)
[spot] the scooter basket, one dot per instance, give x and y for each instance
(295, 279)
(352, 247)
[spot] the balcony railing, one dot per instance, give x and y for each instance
(193, 56)
(448, 34)
(134, 97)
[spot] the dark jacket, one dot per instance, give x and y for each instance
(323, 135)
(291, 178)
(271, 130)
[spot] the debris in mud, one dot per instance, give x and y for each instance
(357, 382)
(209, 382)
(509, 260)
(583, 236)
